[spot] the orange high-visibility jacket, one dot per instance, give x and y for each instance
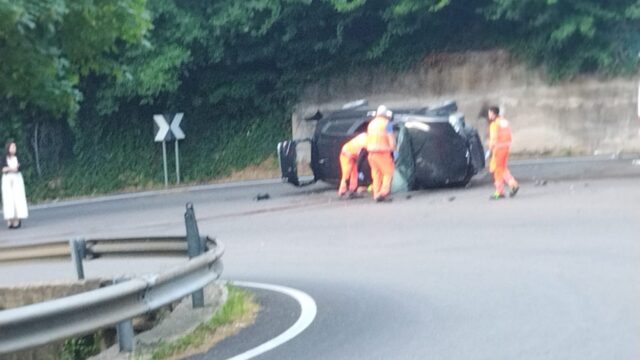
(378, 139)
(353, 147)
(499, 134)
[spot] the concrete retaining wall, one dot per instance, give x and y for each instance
(586, 115)
(21, 295)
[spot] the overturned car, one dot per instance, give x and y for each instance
(435, 147)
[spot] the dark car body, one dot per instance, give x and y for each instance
(436, 147)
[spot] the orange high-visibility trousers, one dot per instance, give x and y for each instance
(382, 167)
(492, 163)
(501, 173)
(349, 170)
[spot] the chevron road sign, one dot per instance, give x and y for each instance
(166, 131)
(175, 126)
(169, 132)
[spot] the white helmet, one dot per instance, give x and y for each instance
(383, 111)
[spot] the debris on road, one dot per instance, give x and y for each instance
(264, 196)
(541, 183)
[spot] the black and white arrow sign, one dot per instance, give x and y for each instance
(166, 132)
(163, 128)
(175, 126)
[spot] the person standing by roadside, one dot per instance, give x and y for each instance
(349, 165)
(499, 146)
(14, 200)
(380, 146)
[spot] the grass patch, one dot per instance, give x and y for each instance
(79, 348)
(238, 311)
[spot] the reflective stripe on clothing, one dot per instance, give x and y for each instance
(378, 136)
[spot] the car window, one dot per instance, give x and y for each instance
(341, 127)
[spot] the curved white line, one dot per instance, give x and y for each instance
(308, 312)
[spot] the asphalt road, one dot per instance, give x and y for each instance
(442, 274)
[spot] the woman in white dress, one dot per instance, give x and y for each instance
(14, 200)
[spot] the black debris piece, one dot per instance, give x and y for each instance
(541, 183)
(261, 197)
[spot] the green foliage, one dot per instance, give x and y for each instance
(47, 45)
(79, 348)
(573, 36)
(347, 5)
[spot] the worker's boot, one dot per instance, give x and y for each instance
(355, 195)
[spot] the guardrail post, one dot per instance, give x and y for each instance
(78, 251)
(194, 248)
(124, 329)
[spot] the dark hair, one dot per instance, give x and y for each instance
(6, 147)
(494, 109)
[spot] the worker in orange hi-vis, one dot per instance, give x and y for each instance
(499, 145)
(380, 146)
(349, 166)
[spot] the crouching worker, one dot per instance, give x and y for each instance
(349, 166)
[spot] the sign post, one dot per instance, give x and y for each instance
(178, 134)
(169, 132)
(177, 163)
(164, 161)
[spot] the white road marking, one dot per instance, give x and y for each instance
(308, 312)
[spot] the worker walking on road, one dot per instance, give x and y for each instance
(348, 165)
(380, 146)
(499, 145)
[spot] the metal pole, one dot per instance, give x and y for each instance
(78, 247)
(177, 163)
(194, 248)
(164, 159)
(124, 329)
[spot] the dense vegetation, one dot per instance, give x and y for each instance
(80, 80)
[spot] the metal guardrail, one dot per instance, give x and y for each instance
(97, 248)
(42, 323)
(38, 324)
(52, 250)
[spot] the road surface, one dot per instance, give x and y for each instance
(445, 274)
